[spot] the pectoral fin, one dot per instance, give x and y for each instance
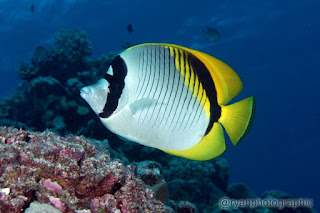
(141, 104)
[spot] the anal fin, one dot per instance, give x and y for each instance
(211, 146)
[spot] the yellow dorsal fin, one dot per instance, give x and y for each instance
(211, 146)
(227, 82)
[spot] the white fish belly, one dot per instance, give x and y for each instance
(153, 133)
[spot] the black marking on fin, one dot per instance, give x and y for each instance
(208, 85)
(116, 86)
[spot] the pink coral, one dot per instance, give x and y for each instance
(67, 173)
(58, 203)
(53, 186)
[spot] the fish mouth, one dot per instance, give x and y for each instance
(83, 90)
(84, 93)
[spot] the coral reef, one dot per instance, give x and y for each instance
(67, 56)
(208, 180)
(150, 173)
(75, 174)
(48, 96)
(239, 191)
(36, 207)
(185, 206)
(69, 174)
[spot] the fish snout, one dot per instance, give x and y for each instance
(85, 93)
(96, 95)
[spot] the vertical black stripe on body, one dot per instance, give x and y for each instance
(186, 102)
(156, 60)
(151, 66)
(161, 69)
(205, 100)
(200, 107)
(146, 88)
(172, 71)
(193, 77)
(208, 85)
(116, 86)
(143, 71)
(177, 73)
(139, 70)
(180, 84)
(148, 70)
(166, 67)
(152, 70)
(185, 87)
(195, 102)
(155, 82)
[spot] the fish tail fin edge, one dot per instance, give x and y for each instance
(237, 119)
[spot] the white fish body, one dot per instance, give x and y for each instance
(161, 96)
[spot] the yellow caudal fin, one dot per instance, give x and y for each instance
(211, 146)
(237, 119)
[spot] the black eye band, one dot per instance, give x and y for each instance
(116, 86)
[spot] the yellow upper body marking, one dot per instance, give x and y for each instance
(187, 77)
(181, 65)
(177, 60)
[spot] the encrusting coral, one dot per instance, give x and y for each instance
(67, 173)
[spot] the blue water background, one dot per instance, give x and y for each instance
(273, 45)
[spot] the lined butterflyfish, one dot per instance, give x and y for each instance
(172, 98)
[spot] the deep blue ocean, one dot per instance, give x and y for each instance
(273, 45)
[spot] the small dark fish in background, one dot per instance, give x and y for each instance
(211, 34)
(130, 28)
(32, 8)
